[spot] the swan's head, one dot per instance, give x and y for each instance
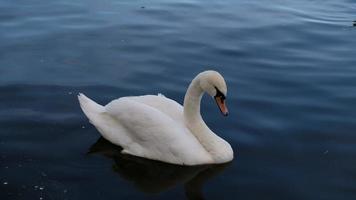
(214, 84)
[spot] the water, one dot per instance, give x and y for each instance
(290, 69)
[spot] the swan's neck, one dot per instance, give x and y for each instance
(191, 105)
(219, 149)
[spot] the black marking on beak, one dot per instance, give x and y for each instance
(220, 101)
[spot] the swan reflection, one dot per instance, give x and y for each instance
(153, 176)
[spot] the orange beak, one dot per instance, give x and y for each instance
(220, 101)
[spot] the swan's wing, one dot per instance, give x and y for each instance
(153, 133)
(163, 104)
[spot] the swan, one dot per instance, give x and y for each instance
(158, 128)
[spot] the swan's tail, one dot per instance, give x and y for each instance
(90, 108)
(108, 127)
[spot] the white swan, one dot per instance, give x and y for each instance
(158, 128)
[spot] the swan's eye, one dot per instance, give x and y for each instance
(219, 94)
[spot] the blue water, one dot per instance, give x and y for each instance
(290, 67)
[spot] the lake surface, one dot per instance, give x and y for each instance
(290, 67)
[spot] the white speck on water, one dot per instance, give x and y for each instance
(6, 167)
(5, 183)
(41, 198)
(43, 174)
(64, 191)
(36, 187)
(83, 126)
(326, 152)
(70, 92)
(41, 188)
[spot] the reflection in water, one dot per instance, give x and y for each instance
(154, 176)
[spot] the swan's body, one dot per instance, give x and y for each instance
(158, 128)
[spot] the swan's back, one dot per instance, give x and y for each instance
(167, 106)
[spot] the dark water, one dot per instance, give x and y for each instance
(291, 73)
